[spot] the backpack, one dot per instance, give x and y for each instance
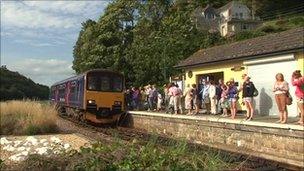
(255, 91)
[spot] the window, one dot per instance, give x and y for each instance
(73, 90)
(241, 15)
(117, 84)
(244, 27)
(236, 15)
(106, 82)
(61, 92)
(93, 83)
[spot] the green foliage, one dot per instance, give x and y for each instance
(146, 39)
(135, 155)
(16, 86)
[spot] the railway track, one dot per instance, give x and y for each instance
(123, 133)
(129, 134)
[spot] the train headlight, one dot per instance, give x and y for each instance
(91, 101)
(117, 103)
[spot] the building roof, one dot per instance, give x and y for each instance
(259, 46)
(227, 6)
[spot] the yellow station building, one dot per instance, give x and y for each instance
(261, 58)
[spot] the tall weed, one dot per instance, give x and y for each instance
(27, 117)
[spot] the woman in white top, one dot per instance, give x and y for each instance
(280, 90)
(212, 97)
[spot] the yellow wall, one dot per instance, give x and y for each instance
(226, 68)
(228, 73)
(300, 61)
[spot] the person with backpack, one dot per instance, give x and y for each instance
(218, 92)
(248, 90)
(233, 97)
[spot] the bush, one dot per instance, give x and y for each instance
(27, 117)
(137, 155)
(298, 21)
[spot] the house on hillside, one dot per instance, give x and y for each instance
(229, 19)
(206, 18)
(261, 58)
(235, 17)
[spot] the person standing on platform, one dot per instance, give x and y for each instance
(170, 106)
(233, 97)
(219, 94)
(179, 99)
(189, 99)
(196, 101)
(212, 97)
(248, 89)
(159, 101)
(143, 99)
(150, 98)
(206, 99)
(166, 94)
(224, 101)
(280, 90)
(155, 97)
(297, 80)
(135, 98)
(200, 93)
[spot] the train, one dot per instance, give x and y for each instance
(96, 96)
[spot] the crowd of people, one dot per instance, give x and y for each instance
(215, 97)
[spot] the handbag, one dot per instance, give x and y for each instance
(288, 98)
(255, 92)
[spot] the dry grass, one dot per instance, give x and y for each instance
(27, 117)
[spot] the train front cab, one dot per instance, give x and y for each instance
(104, 96)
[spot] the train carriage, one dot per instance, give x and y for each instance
(96, 95)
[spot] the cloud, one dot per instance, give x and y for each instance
(54, 21)
(49, 14)
(43, 71)
(16, 14)
(69, 7)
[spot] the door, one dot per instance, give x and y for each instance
(263, 77)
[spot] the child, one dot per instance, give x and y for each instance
(224, 100)
(159, 101)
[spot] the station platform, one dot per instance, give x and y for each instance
(258, 120)
(261, 137)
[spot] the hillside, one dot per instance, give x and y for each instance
(16, 86)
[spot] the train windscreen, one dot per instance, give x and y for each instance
(105, 82)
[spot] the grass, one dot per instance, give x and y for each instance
(27, 118)
(133, 155)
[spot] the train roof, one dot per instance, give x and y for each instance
(83, 74)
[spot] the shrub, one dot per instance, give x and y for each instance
(27, 117)
(135, 155)
(298, 21)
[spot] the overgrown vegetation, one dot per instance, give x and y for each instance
(135, 155)
(27, 118)
(16, 86)
(145, 39)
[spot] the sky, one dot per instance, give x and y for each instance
(37, 37)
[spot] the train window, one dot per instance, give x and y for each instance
(105, 83)
(93, 82)
(117, 84)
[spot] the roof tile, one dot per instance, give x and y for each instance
(272, 43)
